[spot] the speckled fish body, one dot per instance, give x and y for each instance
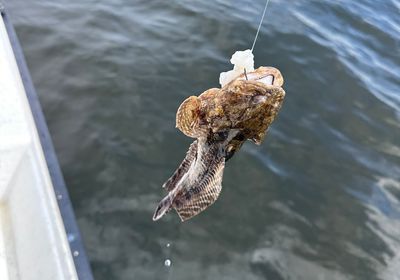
(221, 120)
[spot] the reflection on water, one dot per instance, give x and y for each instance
(320, 199)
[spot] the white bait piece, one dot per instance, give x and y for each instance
(241, 60)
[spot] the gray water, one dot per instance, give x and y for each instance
(319, 199)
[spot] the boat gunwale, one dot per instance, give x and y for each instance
(77, 248)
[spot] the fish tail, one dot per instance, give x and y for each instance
(163, 207)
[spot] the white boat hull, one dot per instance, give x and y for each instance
(34, 244)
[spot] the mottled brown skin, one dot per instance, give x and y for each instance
(247, 105)
(221, 120)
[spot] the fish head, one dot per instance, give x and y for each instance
(250, 103)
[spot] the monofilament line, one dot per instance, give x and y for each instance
(259, 26)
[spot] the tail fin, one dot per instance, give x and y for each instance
(163, 207)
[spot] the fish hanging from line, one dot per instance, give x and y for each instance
(221, 120)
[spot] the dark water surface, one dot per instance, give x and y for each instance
(320, 199)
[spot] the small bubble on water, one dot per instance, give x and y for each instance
(167, 262)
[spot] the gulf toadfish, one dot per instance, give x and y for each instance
(221, 120)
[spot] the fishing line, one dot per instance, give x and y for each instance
(259, 26)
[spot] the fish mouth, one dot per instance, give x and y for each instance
(268, 76)
(266, 79)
